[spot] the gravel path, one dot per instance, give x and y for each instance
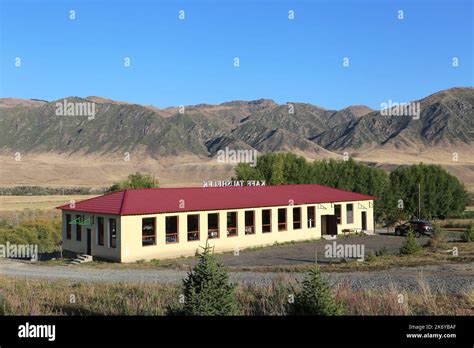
(451, 278)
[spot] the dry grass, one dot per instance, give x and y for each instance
(34, 297)
(17, 203)
(16, 217)
(50, 169)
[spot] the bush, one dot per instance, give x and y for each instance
(382, 252)
(410, 245)
(45, 234)
(207, 290)
(438, 237)
(316, 297)
(468, 235)
(135, 181)
(370, 257)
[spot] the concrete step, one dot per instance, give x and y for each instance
(82, 258)
(329, 237)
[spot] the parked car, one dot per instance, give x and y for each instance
(419, 227)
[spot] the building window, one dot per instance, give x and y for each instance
(297, 218)
(193, 227)
(311, 217)
(337, 212)
(350, 213)
(113, 233)
(100, 230)
(148, 231)
(213, 225)
(78, 228)
(232, 224)
(171, 229)
(282, 219)
(250, 222)
(266, 220)
(68, 226)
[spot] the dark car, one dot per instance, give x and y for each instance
(419, 227)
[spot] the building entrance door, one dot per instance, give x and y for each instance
(364, 221)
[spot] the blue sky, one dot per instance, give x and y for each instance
(190, 61)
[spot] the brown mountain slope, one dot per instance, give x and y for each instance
(176, 145)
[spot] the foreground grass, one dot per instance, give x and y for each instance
(35, 297)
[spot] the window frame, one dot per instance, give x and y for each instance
(313, 208)
(253, 222)
(236, 228)
(299, 221)
(269, 221)
(175, 234)
(68, 227)
(154, 231)
(111, 238)
(198, 227)
(100, 231)
(339, 218)
(79, 228)
(217, 229)
(351, 213)
(283, 223)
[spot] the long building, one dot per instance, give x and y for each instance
(143, 224)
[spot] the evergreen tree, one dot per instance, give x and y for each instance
(410, 245)
(207, 290)
(468, 235)
(316, 297)
(438, 237)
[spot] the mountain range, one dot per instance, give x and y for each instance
(446, 118)
(30, 126)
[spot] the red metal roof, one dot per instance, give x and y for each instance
(170, 200)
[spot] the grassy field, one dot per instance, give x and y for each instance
(34, 297)
(18, 203)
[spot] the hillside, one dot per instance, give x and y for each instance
(181, 147)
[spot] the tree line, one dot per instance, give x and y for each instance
(442, 194)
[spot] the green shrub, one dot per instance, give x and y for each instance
(410, 245)
(370, 257)
(438, 237)
(316, 297)
(45, 234)
(135, 181)
(468, 235)
(382, 252)
(207, 290)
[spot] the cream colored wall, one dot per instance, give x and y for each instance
(359, 207)
(102, 251)
(131, 238)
